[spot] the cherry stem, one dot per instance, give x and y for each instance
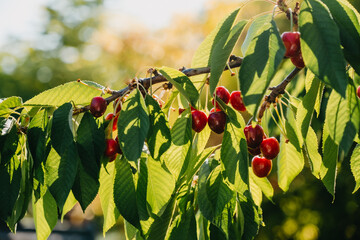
(291, 20)
(280, 127)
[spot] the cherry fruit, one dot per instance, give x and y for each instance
(358, 91)
(217, 121)
(270, 148)
(261, 166)
(298, 61)
(291, 41)
(98, 106)
(237, 101)
(222, 93)
(214, 110)
(254, 151)
(112, 148)
(199, 120)
(254, 135)
(111, 116)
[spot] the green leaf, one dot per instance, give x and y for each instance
(253, 30)
(234, 156)
(330, 155)
(80, 93)
(183, 225)
(69, 204)
(355, 166)
(62, 163)
(91, 145)
(124, 192)
(106, 193)
(255, 190)
(203, 54)
(251, 214)
(312, 146)
(45, 215)
(182, 83)
(142, 177)
(320, 45)
(347, 19)
(133, 125)
(10, 179)
(161, 185)
(263, 184)
(181, 137)
(8, 144)
(159, 136)
(305, 109)
(290, 163)
(9, 103)
(37, 137)
(221, 53)
(262, 58)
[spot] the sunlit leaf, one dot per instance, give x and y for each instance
(355, 166)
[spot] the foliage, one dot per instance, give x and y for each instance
(169, 181)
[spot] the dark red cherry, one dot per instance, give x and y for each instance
(261, 166)
(111, 116)
(217, 121)
(98, 106)
(213, 110)
(254, 135)
(358, 91)
(222, 93)
(291, 41)
(270, 148)
(199, 120)
(237, 101)
(298, 61)
(181, 110)
(112, 147)
(254, 151)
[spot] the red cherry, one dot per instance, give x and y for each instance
(261, 166)
(217, 121)
(358, 91)
(291, 41)
(254, 151)
(254, 135)
(237, 101)
(199, 120)
(112, 158)
(115, 122)
(213, 110)
(222, 93)
(98, 106)
(112, 147)
(298, 61)
(270, 148)
(109, 117)
(117, 141)
(181, 110)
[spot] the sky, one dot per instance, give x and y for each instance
(23, 18)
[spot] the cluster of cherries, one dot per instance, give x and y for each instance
(98, 107)
(259, 144)
(291, 41)
(217, 118)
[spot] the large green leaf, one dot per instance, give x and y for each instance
(63, 160)
(347, 19)
(262, 58)
(203, 54)
(91, 145)
(312, 152)
(8, 144)
(305, 109)
(10, 179)
(221, 53)
(159, 136)
(251, 214)
(124, 192)
(80, 93)
(320, 45)
(234, 156)
(133, 125)
(328, 169)
(263, 184)
(161, 185)
(69, 204)
(183, 225)
(45, 215)
(182, 83)
(106, 193)
(175, 157)
(253, 29)
(355, 166)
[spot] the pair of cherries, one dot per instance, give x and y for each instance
(217, 118)
(259, 144)
(291, 41)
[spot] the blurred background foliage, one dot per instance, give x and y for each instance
(79, 42)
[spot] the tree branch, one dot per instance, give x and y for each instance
(158, 78)
(276, 91)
